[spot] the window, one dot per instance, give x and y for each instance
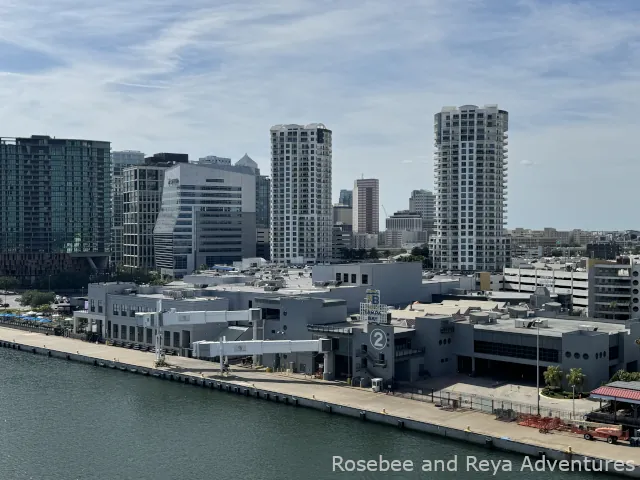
(338, 277)
(115, 309)
(365, 279)
(516, 351)
(345, 278)
(92, 305)
(353, 278)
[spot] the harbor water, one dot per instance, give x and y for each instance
(66, 421)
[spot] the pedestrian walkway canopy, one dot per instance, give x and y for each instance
(628, 392)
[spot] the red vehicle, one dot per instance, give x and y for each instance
(611, 434)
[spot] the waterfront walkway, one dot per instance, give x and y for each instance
(334, 393)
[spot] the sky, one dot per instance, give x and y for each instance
(210, 77)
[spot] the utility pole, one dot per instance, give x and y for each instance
(538, 362)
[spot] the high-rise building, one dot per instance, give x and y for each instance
(424, 203)
(366, 205)
(142, 198)
(346, 198)
(470, 177)
(208, 217)
(343, 214)
(263, 195)
(119, 161)
(55, 206)
(301, 213)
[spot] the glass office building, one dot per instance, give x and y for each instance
(54, 206)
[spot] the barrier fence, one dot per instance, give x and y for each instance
(503, 409)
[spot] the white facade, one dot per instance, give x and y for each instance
(405, 220)
(301, 210)
(470, 180)
(366, 205)
(364, 240)
(208, 217)
(558, 281)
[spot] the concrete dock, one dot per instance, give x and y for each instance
(332, 397)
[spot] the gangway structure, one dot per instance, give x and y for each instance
(160, 319)
(206, 349)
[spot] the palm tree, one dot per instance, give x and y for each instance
(553, 376)
(575, 377)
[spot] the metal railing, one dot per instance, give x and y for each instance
(489, 405)
(409, 352)
(329, 329)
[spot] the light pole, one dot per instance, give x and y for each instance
(537, 322)
(49, 282)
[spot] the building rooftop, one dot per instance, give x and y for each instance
(557, 327)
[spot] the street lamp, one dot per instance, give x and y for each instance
(537, 324)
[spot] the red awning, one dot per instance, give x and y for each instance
(624, 394)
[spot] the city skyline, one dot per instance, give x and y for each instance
(142, 83)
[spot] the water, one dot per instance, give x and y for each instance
(64, 421)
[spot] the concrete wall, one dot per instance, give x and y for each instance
(586, 345)
(440, 347)
(373, 343)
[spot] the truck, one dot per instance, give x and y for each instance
(610, 433)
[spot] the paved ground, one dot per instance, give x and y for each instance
(513, 392)
(335, 393)
(12, 301)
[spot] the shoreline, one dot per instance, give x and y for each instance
(468, 426)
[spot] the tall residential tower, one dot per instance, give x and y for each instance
(301, 212)
(55, 206)
(119, 161)
(470, 177)
(366, 205)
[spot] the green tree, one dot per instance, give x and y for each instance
(204, 267)
(387, 253)
(576, 378)
(35, 298)
(553, 376)
(624, 376)
(373, 253)
(8, 283)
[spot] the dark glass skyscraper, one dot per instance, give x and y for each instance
(54, 206)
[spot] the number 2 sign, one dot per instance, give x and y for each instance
(378, 339)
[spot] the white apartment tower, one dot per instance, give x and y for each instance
(366, 205)
(301, 210)
(470, 180)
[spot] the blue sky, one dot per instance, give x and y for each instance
(210, 77)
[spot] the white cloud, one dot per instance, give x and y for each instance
(209, 78)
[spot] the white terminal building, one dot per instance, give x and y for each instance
(470, 180)
(301, 210)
